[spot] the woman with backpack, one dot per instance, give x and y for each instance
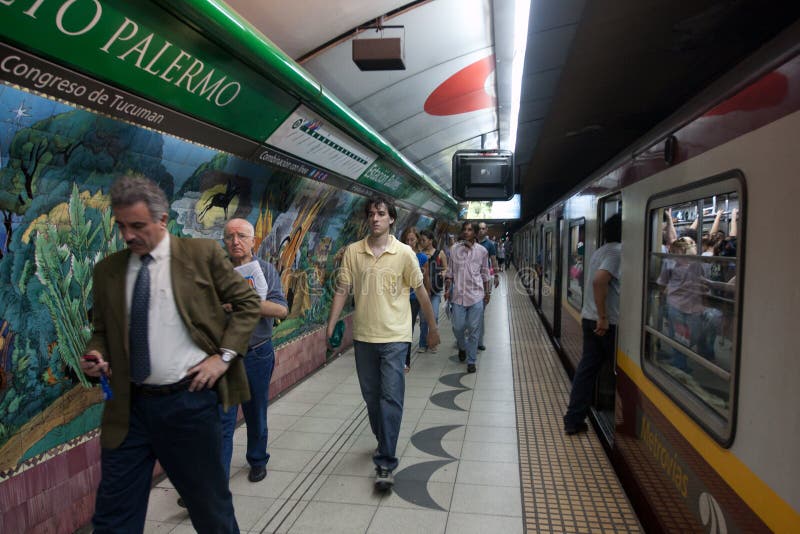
(436, 267)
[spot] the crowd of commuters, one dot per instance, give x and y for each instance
(182, 353)
(183, 332)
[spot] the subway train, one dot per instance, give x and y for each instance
(698, 409)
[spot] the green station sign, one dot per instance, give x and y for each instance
(139, 46)
(138, 61)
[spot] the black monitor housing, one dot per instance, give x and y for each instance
(483, 175)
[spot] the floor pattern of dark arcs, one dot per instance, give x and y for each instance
(411, 483)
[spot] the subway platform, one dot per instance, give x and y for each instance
(479, 453)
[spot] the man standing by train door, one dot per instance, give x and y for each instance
(600, 315)
(381, 270)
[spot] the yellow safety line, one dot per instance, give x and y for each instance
(776, 513)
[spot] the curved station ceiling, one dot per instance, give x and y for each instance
(597, 75)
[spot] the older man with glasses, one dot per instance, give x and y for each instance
(260, 358)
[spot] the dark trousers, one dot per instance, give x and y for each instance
(596, 350)
(259, 364)
(182, 431)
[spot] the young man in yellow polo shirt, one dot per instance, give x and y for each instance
(380, 270)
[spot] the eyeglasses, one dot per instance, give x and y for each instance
(240, 237)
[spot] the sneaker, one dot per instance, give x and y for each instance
(434, 350)
(384, 479)
(422, 349)
(481, 347)
(471, 368)
(462, 355)
(572, 429)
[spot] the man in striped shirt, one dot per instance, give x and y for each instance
(467, 288)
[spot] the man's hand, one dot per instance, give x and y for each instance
(486, 297)
(328, 335)
(433, 338)
(93, 364)
(207, 372)
(602, 326)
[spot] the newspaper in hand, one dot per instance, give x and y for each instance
(255, 277)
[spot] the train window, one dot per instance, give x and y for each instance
(548, 257)
(608, 206)
(577, 237)
(691, 291)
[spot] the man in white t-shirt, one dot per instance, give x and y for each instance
(600, 315)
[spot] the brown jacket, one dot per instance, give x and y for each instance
(202, 280)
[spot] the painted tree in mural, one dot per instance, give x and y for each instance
(33, 150)
(46, 277)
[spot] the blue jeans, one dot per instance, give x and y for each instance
(259, 364)
(380, 374)
(596, 350)
(436, 299)
(467, 328)
(182, 431)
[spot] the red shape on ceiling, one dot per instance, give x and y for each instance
(767, 92)
(463, 91)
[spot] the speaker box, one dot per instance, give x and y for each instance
(378, 54)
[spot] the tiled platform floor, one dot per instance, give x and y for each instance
(459, 450)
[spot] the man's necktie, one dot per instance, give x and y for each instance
(140, 309)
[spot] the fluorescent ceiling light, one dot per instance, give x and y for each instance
(521, 12)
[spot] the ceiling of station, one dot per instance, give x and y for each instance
(597, 76)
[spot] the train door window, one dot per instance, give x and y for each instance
(608, 207)
(577, 237)
(548, 256)
(691, 300)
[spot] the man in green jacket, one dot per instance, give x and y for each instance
(171, 353)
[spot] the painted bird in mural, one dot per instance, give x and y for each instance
(220, 200)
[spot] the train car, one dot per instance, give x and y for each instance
(698, 410)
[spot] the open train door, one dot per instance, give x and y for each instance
(605, 387)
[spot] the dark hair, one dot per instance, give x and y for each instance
(689, 232)
(376, 201)
(471, 224)
(129, 190)
(409, 230)
(612, 229)
(427, 233)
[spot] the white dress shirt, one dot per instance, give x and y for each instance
(172, 350)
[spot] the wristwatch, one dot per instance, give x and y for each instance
(227, 355)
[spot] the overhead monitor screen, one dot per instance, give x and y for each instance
(493, 210)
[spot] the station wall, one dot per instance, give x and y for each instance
(56, 164)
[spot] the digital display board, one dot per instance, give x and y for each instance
(492, 210)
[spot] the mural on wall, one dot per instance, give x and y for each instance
(56, 164)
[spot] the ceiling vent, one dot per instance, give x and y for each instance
(379, 54)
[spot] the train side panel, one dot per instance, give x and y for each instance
(760, 469)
